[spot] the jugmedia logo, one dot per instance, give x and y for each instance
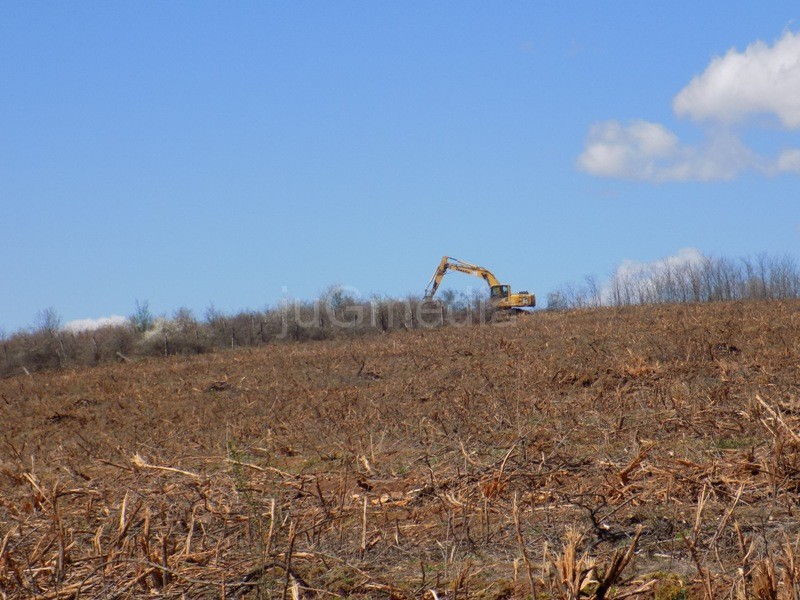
(341, 308)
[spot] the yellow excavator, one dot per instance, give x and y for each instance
(499, 294)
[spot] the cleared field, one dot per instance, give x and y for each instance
(459, 463)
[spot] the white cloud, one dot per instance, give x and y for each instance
(650, 152)
(614, 148)
(79, 325)
(762, 79)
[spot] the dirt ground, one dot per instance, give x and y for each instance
(649, 452)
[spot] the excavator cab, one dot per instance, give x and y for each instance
(499, 291)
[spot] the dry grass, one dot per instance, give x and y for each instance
(614, 453)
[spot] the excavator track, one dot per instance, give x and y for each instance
(508, 315)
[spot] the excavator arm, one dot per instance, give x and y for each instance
(453, 264)
(499, 294)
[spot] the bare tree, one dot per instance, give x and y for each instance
(48, 321)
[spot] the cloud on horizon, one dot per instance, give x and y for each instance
(79, 325)
(643, 275)
(762, 80)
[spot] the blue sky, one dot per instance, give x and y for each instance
(197, 153)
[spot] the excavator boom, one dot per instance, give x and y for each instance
(454, 264)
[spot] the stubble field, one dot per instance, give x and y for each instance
(649, 452)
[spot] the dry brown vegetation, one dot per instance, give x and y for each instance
(648, 452)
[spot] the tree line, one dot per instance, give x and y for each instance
(701, 279)
(335, 314)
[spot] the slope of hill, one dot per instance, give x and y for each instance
(467, 461)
